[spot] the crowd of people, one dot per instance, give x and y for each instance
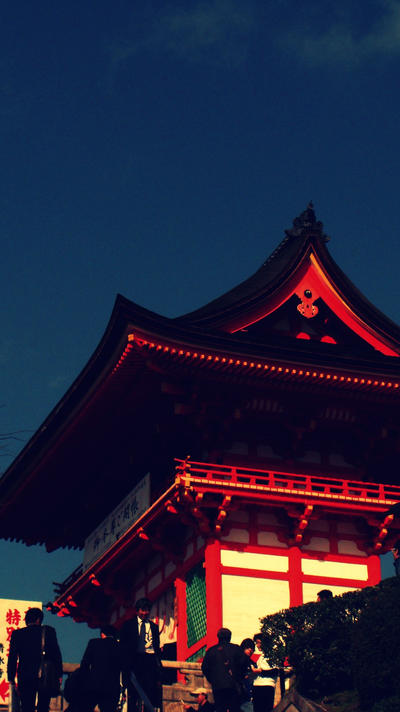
(240, 676)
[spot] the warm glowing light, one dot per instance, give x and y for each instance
(94, 581)
(303, 335)
(141, 342)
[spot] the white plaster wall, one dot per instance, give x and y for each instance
(317, 543)
(241, 536)
(345, 546)
(270, 539)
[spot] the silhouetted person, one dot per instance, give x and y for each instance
(100, 672)
(324, 595)
(26, 653)
(246, 700)
(224, 666)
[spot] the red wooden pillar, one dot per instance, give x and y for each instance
(213, 590)
(374, 570)
(295, 577)
(181, 638)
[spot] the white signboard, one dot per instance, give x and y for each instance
(12, 616)
(110, 530)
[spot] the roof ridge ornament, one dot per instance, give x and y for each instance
(307, 222)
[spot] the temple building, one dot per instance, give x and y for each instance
(227, 463)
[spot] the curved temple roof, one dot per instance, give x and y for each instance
(297, 319)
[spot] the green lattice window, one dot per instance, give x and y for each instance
(199, 654)
(196, 604)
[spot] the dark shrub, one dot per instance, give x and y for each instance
(376, 647)
(325, 646)
(390, 704)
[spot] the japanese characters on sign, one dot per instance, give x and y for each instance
(12, 616)
(118, 522)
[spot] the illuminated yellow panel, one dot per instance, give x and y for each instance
(256, 562)
(245, 600)
(310, 590)
(334, 569)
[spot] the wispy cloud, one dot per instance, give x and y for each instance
(208, 31)
(342, 41)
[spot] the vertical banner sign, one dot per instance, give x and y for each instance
(121, 518)
(12, 616)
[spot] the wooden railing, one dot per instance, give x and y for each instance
(225, 477)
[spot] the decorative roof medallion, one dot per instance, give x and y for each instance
(306, 306)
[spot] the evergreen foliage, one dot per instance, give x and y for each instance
(347, 641)
(376, 649)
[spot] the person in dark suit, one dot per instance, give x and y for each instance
(225, 666)
(100, 672)
(26, 653)
(140, 646)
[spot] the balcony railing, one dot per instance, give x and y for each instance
(225, 477)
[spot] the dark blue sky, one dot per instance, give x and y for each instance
(160, 149)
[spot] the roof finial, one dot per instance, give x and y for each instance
(306, 222)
